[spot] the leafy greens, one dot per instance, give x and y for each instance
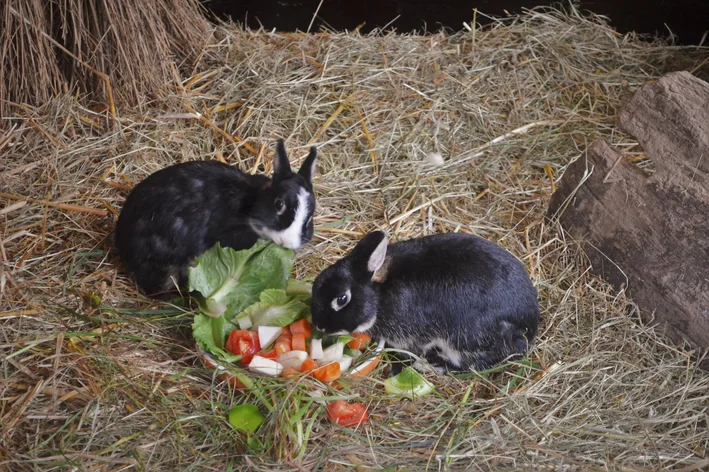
(229, 281)
(275, 308)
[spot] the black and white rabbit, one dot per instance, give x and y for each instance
(179, 212)
(459, 301)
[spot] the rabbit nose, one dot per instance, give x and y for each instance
(286, 243)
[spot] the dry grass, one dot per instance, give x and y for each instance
(95, 377)
(96, 46)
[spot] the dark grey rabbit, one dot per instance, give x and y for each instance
(179, 212)
(459, 301)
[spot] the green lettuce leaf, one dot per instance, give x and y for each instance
(274, 297)
(203, 332)
(275, 308)
(301, 290)
(232, 280)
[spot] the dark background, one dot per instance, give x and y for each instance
(688, 19)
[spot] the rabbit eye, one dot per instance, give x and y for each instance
(280, 206)
(340, 301)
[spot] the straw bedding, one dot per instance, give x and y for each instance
(96, 377)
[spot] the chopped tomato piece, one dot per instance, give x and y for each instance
(290, 373)
(285, 331)
(243, 343)
(308, 365)
(272, 354)
(283, 344)
(347, 414)
(302, 327)
(229, 346)
(328, 373)
(298, 343)
(360, 340)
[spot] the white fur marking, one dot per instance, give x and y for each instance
(291, 236)
(378, 255)
(366, 326)
(447, 351)
(335, 306)
(339, 333)
(401, 343)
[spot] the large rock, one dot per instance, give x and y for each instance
(650, 235)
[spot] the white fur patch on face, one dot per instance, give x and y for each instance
(291, 236)
(367, 325)
(447, 351)
(339, 333)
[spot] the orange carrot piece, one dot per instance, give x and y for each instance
(298, 343)
(328, 372)
(360, 340)
(308, 365)
(302, 327)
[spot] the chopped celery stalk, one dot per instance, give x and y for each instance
(244, 322)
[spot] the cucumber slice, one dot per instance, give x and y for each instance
(409, 384)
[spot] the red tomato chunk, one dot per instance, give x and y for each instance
(243, 343)
(347, 414)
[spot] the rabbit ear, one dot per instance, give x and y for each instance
(281, 166)
(307, 170)
(369, 255)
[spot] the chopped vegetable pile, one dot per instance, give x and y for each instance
(252, 315)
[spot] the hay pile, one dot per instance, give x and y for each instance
(95, 377)
(129, 46)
